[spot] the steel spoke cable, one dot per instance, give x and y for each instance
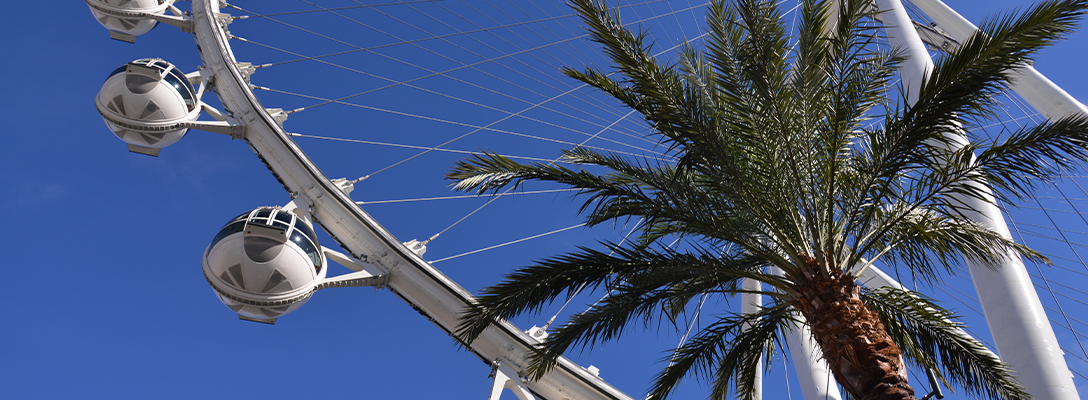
(583, 285)
(252, 15)
(360, 49)
(511, 116)
(1061, 310)
(478, 86)
(1042, 236)
(684, 339)
(610, 110)
(507, 26)
(467, 196)
(1069, 200)
(496, 122)
(965, 327)
(1062, 285)
(408, 146)
(338, 101)
(507, 243)
(1047, 209)
(332, 101)
(523, 51)
(1045, 280)
(1071, 205)
(1053, 257)
(1052, 228)
(465, 124)
(493, 198)
(341, 102)
(1046, 285)
(395, 83)
(1072, 319)
(580, 56)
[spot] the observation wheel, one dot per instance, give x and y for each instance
(389, 95)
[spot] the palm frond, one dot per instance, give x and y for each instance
(530, 288)
(1033, 156)
(930, 337)
(726, 352)
(790, 154)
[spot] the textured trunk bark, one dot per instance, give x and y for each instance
(859, 351)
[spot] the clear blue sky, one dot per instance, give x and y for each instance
(102, 247)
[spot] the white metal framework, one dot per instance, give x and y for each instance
(506, 347)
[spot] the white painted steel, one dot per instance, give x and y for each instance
(1017, 321)
(813, 374)
(419, 284)
(751, 302)
(1043, 95)
(506, 378)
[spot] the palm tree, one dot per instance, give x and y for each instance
(785, 152)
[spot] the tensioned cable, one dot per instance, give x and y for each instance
(1047, 209)
(493, 198)
(598, 101)
(430, 38)
(507, 243)
(684, 339)
(313, 11)
(583, 285)
(437, 73)
(340, 100)
(1042, 236)
(1061, 309)
(467, 196)
(511, 116)
(1059, 257)
(407, 146)
(421, 29)
(1051, 228)
(580, 56)
(476, 128)
(470, 83)
(396, 83)
(1046, 285)
(965, 327)
(1070, 203)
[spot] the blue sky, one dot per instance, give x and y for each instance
(103, 246)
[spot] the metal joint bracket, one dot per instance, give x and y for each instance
(185, 24)
(355, 279)
(222, 127)
(224, 19)
(246, 69)
(506, 377)
(277, 114)
(349, 262)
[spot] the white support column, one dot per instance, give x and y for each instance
(1017, 321)
(813, 374)
(1043, 95)
(507, 378)
(752, 303)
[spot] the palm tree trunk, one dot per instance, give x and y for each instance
(859, 351)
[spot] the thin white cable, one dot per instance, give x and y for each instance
(471, 84)
(507, 243)
(407, 146)
(469, 196)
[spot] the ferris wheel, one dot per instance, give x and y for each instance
(451, 74)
